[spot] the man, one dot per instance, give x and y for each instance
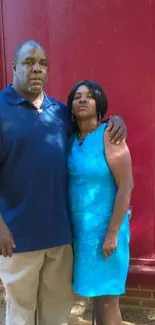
(35, 236)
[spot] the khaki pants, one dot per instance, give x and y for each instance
(38, 286)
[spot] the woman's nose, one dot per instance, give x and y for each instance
(83, 99)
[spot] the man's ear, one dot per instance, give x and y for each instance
(14, 68)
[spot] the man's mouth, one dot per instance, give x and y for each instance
(36, 79)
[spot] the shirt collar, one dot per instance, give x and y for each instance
(15, 98)
(46, 101)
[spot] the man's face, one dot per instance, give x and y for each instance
(30, 71)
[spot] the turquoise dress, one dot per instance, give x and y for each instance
(92, 192)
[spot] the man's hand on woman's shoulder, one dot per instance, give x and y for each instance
(117, 129)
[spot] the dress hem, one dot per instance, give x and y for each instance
(98, 295)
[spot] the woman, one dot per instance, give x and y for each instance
(100, 185)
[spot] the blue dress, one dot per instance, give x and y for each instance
(92, 192)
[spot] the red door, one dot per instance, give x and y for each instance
(112, 42)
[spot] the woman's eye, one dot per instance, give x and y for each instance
(77, 97)
(87, 96)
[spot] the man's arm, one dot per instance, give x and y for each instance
(117, 129)
(6, 239)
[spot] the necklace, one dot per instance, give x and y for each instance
(81, 138)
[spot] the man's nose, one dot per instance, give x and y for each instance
(36, 67)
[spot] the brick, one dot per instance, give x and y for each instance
(147, 287)
(130, 301)
(133, 287)
(138, 293)
(148, 303)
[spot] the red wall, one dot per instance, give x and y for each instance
(112, 42)
(2, 49)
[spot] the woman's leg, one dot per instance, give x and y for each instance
(107, 310)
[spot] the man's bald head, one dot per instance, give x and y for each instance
(29, 43)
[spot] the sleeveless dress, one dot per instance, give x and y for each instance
(92, 192)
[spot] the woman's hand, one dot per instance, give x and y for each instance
(109, 244)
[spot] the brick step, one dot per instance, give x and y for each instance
(141, 274)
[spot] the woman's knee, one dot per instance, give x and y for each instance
(108, 302)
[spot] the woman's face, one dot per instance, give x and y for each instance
(83, 105)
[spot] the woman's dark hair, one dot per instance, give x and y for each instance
(97, 93)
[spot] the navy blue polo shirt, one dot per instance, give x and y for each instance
(33, 171)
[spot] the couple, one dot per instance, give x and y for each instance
(35, 228)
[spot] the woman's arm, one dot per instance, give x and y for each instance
(119, 161)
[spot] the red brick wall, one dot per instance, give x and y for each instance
(139, 295)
